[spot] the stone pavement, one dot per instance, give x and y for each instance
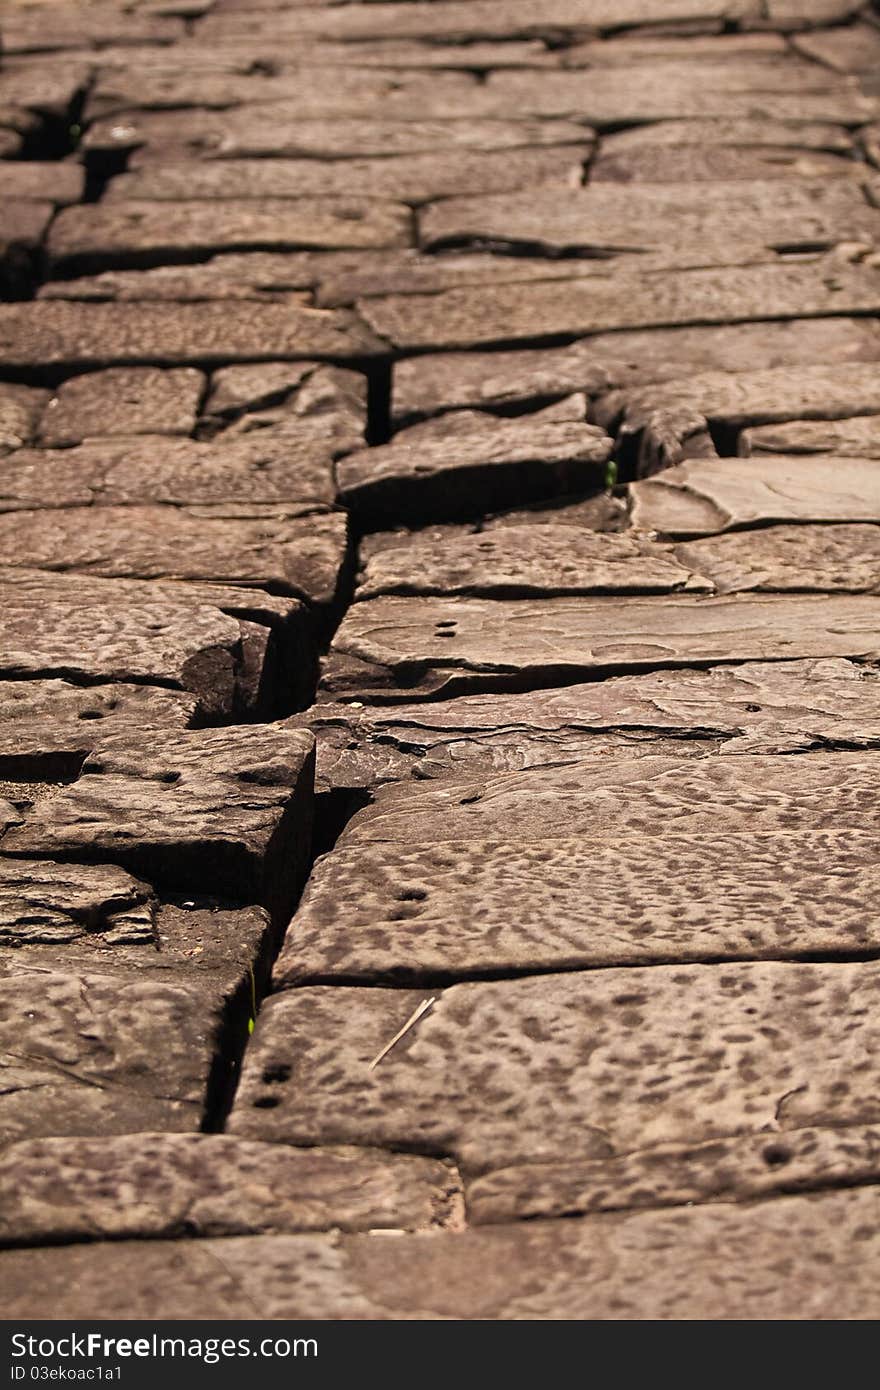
(440, 661)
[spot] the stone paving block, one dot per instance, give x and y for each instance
(793, 15)
(509, 313)
(584, 1065)
(855, 48)
(50, 182)
(20, 411)
(414, 178)
(605, 218)
(391, 648)
(298, 399)
(778, 559)
(625, 798)
(167, 1185)
(701, 497)
(757, 707)
(82, 26)
(716, 163)
(421, 914)
(858, 437)
(435, 382)
(475, 463)
(522, 561)
(210, 811)
(660, 1265)
(23, 224)
(123, 400)
(43, 903)
(738, 133)
(46, 335)
(305, 557)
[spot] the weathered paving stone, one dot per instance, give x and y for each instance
(132, 232)
(166, 1185)
(211, 811)
(627, 797)
(605, 218)
(20, 411)
(475, 463)
(855, 48)
(393, 647)
(669, 44)
(213, 643)
(715, 163)
(123, 400)
(750, 133)
(701, 497)
(414, 178)
(522, 561)
(46, 335)
(26, 31)
(586, 1065)
(858, 437)
(305, 556)
(49, 904)
(23, 224)
(776, 559)
(294, 391)
(757, 707)
(448, 381)
(729, 1170)
(49, 726)
(636, 1265)
(421, 913)
(55, 182)
(509, 313)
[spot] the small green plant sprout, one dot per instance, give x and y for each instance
(611, 473)
(252, 1020)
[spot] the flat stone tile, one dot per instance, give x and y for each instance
(393, 647)
(702, 497)
(746, 132)
(210, 811)
(779, 559)
(43, 903)
(436, 382)
(128, 232)
(858, 437)
(20, 411)
(82, 26)
(660, 1265)
(159, 1186)
(476, 462)
(413, 178)
(524, 561)
(578, 1065)
(757, 707)
(716, 163)
(604, 218)
(509, 313)
(855, 48)
(305, 557)
(123, 400)
(46, 335)
(43, 181)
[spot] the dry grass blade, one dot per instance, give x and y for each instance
(410, 1023)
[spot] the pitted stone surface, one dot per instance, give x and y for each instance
(830, 559)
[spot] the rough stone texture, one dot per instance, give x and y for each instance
(46, 903)
(855, 48)
(751, 133)
(580, 1065)
(52, 183)
(829, 559)
(701, 496)
(123, 400)
(213, 811)
(132, 232)
(20, 410)
(388, 647)
(756, 707)
(23, 224)
(857, 437)
(660, 1265)
(481, 461)
(99, 335)
(166, 1185)
(27, 31)
(714, 163)
(509, 313)
(519, 561)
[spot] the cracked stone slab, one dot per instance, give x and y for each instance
(716, 163)
(624, 798)
(750, 133)
(778, 559)
(635, 1265)
(20, 411)
(421, 913)
(57, 183)
(578, 1065)
(417, 647)
(282, 394)
(509, 313)
(524, 561)
(728, 1170)
(413, 178)
(127, 232)
(858, 437)
(159, 1186)
(212, 811)
(44, 903)
(855, 48)
(702, 497)
(304, 557)
(122, 400)
(73, 335)
(604, 218)
(437, 382)
(474, 463)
